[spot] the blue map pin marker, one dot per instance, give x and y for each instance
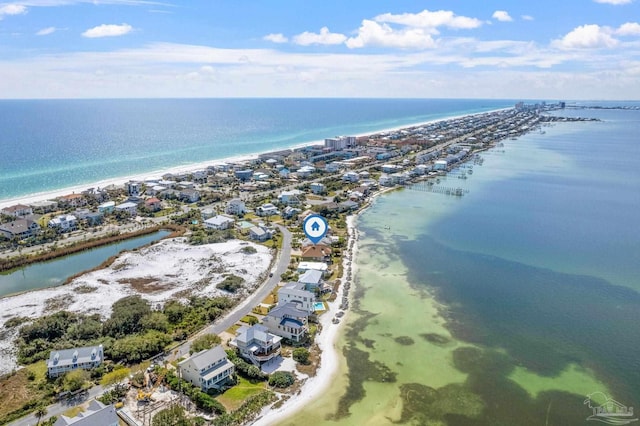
(315, 227)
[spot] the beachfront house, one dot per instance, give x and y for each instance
(19, 229)
(256, 344)
(311, 279)
(44, 206)
(17, 210)
(316, 253)
(297, 293)
(207, 369)
(64, 223)
(72, 200)
(66, 360)
(96, 413)
(134, 188)
(219, 222)
(313, 266)
(287, 321)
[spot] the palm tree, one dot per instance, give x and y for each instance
(40, 412)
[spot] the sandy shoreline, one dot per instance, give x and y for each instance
(326, 340)
(192, 167)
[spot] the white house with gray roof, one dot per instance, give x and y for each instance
(96, 414)
(207, 369)
(311, 279)
(66, 360)
(219, 222)
(287, 321)
(296, 293)
(256, 344)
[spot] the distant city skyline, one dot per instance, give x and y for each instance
(576, 49)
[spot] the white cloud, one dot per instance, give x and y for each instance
(502, 16)
(614, 2)
(430, 20)
(46, 31)
(374, 34)
(474, 68)
(107, 30)
(12, 9)
(527, 18)
(324, 37)
(275, 38)
(629, 28)
(587, 37)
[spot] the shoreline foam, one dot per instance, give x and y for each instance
(192, 167)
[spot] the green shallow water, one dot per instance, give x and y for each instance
(504, 307)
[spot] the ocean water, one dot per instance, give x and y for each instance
(55, 144)
(509, 305)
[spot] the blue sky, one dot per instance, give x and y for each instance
(570, 49)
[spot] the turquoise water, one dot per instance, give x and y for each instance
(55, 272)
(506, 306)
(54, 144)
(318, 306)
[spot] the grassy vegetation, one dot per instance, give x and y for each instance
(72, 412)
(249, 319)
(19, 261)
(21, 392)
(234, 397)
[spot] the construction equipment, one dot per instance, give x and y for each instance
(146, 395)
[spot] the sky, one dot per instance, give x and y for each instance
(551, 50)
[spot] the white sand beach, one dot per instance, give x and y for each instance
(189, 168)
(326, 340)
(165, 270)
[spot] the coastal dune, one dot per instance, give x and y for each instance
(170, 269)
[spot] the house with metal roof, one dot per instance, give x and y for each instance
(256, 344)
(95, 414)
(311, 279)
(207, 369)
(296, 293)
(219, 222)
(66, 360)
(287, 321)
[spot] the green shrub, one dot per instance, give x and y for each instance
(231, 283)
(301, 355)
(281, 379)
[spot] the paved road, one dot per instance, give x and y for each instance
(60, 407)
(222, 324)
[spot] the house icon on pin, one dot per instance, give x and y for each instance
(315, 226)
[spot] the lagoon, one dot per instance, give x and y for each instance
(508, 305)
(55, 272)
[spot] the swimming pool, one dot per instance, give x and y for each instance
(318, 306)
